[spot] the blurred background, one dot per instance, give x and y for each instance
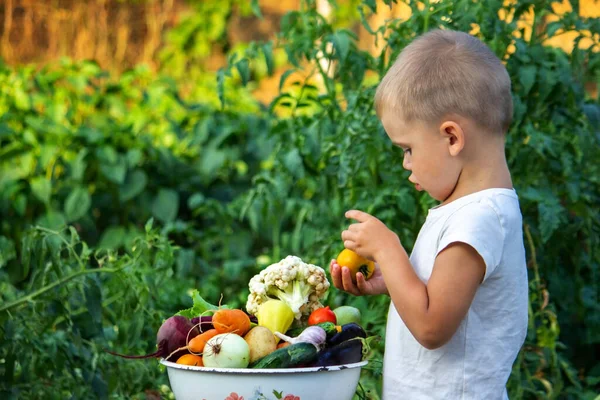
(152, 147)
(120, 34)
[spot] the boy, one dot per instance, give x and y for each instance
(458, 312)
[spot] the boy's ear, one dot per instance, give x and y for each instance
(455, 136)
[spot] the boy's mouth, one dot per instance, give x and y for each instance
(417, 186)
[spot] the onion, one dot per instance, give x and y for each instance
(226, 350)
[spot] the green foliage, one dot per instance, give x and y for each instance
(233, 186)
(78, 302)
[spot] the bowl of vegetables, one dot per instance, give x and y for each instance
(309, 383)
(285, 345)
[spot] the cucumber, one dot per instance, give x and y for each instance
(290, 356)
(330, 328)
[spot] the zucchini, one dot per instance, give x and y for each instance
(291, 356)
(329, 327)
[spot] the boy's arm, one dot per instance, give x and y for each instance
(434, 311)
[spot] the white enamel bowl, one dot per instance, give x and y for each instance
(315, 383)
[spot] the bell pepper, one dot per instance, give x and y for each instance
(275, 315)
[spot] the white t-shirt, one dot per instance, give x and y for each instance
(477, 361)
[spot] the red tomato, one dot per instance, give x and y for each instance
(322, 315)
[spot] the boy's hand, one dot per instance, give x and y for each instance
(343, 281)
(369, 236)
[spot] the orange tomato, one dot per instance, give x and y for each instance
(354, 262)
(190, 359)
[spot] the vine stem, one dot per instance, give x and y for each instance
(533, 254)
(59, 282)
(426, 19)
(69, 246)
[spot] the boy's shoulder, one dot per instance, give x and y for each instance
(490, 221)
(500, 202)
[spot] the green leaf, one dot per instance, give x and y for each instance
(553, 27)
(212, 161)
(221, 73)
(185, 262)
(196, 200)
(93, 302)
(7, 251)
(78, 165)
(148, 226)
(132, 235)
(41, 188)
(91, 135)
(267, 49)
(133, 185)
(27, 249)
(115, 172)
(365, 20)
(113, 238)
(134, 157)
(341, 43)
(284, 76)
(77, 204)
(100, 387)
(12, 151)
(527, 76)
(293, 162)
(200, 307)
(20, 204)
(107, 154)
(592, 111)
(74, 239)
(52, 220)
(550, 215)
(243, 68)
(256, 8)
(406, 202)
(22, 100)
(166, 205)
(372, 4)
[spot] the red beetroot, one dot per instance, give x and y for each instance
(172, 335)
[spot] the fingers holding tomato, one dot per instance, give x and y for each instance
(355, 263)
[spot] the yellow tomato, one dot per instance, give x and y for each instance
(190, 359)
(356, 263)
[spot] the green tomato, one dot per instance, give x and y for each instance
(347, 314)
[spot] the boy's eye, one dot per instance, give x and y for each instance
(407, 151)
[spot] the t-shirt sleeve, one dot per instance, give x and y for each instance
(477, 225)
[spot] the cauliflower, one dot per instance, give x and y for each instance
(291, 280)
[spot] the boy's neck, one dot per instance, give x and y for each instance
(482, 170)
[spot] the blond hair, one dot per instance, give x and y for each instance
(447, 72)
